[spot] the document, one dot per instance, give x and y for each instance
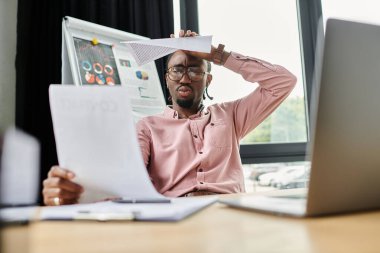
(20, 166)
(18, 214)
(96, 138)
(177, 209)
(145, 51)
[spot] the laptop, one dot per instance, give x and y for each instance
(345, 129)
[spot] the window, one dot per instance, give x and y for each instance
(267, 30)
(282, 32)
(279, 31)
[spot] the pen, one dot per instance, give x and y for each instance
(141, 200)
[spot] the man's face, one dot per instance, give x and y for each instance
(187, 92)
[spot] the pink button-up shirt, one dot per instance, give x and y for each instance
(202, 152)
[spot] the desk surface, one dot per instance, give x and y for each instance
(215, 229)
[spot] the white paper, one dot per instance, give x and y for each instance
(145, 51)
(18, 214)
(20, 168)
(96, 139)
(178, 209)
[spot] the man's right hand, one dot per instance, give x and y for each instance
(58, 189)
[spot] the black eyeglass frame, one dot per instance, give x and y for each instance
(187, 70)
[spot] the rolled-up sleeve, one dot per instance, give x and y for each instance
(275, 84)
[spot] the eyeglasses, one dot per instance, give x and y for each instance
(194, 73)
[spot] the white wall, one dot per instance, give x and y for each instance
(8, 23)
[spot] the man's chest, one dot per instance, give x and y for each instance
(203, 133)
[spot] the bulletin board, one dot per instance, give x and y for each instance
(93, 55)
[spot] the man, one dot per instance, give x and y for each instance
(190, 150)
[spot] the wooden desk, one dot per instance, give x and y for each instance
(215, 229)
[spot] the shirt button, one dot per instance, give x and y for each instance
(200, 170)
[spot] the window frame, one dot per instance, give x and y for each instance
(309, 12)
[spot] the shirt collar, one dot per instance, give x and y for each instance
(169, 112)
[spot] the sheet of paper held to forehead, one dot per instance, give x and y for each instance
(96, 139)
(145, 51)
